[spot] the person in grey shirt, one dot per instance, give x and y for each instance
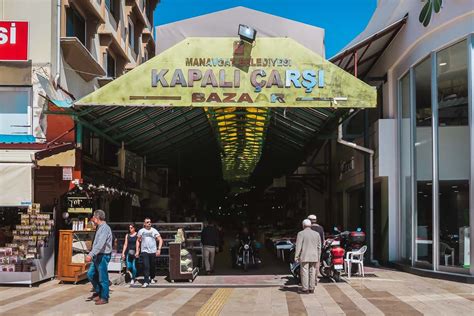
(99, 257)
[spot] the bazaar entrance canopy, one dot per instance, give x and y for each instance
(258, 108)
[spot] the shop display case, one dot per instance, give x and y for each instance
(29, 257)
(73, 249)
(167, 231)
(181, 263)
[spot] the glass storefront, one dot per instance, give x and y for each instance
(423, 164)
(454, 154)
(436, 161)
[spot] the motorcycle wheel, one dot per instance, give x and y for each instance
(337, 276)
(246, 266)
(324, 271)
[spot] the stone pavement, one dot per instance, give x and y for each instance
(383, 292)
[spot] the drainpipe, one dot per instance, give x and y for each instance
(369, 152)
(58, 43)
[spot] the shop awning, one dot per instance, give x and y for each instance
(215, 106)
(61, 155)
(16, 183)
(360, 57)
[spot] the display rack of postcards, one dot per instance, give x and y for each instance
(29, 258)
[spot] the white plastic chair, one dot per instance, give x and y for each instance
(447, 251)
(356, 257)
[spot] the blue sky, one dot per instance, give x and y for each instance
(342, 19)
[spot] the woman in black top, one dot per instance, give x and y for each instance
(129, 250)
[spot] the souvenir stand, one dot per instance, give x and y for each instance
(29, 257)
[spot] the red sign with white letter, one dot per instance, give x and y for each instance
(13, 40)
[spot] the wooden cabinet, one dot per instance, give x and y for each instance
(73, 248)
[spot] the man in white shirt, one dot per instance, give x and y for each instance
(146, 247)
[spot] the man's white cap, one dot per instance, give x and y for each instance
(312, 217)
(306, 223)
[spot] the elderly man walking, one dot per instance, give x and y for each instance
(99, 257)
(308, 252)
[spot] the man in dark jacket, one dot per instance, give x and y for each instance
(210, 242)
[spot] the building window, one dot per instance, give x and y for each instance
(114, 8)
(110, 65)
(453, 155)
(131, 35)
(75, 25)
(15, 111)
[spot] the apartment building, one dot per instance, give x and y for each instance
(73, 48)
(102, 39)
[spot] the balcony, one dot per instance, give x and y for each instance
(90, 7)
(109, 39)
(147, 36)
(80, 59)
(138, 10)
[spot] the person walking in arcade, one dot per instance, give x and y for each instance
(308, 252)
(146, 246)
(129, 251)
(99, 258)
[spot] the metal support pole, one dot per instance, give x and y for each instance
(368, 186)
(435, 153)
(79, 135)
(58, 44)
(413, 182)
(470, 82)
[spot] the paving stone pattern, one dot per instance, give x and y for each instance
(387, 292)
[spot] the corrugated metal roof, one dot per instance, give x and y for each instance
(233, 142)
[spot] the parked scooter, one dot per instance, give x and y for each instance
(332, 258)
(331, 263)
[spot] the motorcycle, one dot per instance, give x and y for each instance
(246, 255)
(332, 259)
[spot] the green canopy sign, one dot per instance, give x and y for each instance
(220, 72)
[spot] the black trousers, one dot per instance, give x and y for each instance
(149, 266)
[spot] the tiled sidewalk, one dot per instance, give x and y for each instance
(385, 292)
